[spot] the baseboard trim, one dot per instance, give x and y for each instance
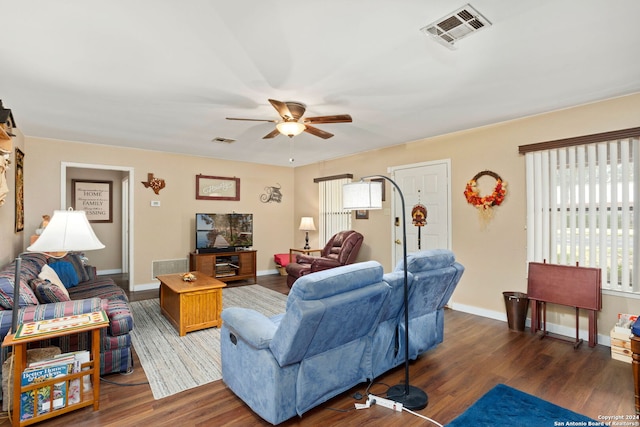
(565, 331)
(106, 272)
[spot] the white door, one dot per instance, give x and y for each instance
(427, 184)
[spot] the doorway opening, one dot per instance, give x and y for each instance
(117, 257)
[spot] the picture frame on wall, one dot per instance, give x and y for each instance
(362, 214)
(19, 190)
(93, 197)
(217, 188)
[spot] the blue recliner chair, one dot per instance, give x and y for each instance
(320, 346)
(435, 276)
(341, 327)
(432, 277)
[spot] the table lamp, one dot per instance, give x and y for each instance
(307, 225)
(67, 231)
(365, 195)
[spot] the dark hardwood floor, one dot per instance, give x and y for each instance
(477, 353)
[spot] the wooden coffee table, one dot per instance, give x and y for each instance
(191, 306)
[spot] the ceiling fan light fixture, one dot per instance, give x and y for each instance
(291, 129)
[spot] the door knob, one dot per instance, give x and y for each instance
(398, 242)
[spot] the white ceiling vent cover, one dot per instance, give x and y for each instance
(456, 25)
(223, 140)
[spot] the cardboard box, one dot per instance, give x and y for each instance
(624, 323)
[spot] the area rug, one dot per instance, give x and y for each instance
(504, 406)
(173, 363)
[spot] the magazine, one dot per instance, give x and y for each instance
(74, 361)
(45, 397)
(79, 357)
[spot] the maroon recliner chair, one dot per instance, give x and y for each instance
(341, 249)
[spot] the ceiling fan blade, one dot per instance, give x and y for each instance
(272, 134)
(338, 118)
(252, 120)
(318, 132)
(282, 109)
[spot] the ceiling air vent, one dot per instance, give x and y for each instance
(223, 140)
(456, 25)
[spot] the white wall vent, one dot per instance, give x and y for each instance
(169, 266)
(223, 140)
(456, 26)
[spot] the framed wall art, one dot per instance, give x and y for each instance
(93, 197)
(362, 214)
(217, 188)
(19, 190)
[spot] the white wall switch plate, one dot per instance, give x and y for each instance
(155, 203)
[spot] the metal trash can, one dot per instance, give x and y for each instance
(517, 305)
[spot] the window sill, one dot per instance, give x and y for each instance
(621, 294)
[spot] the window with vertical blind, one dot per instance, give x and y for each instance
(331, 217)
(580, 204)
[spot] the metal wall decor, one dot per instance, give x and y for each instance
(156, 184)
(272, 194)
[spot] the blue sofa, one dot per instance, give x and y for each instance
(341, 327)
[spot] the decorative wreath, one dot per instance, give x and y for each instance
(494, 199)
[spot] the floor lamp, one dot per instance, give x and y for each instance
(367, 195)
(66, 232)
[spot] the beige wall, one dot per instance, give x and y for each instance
(494, 256)
(10, 241)
(165, 232)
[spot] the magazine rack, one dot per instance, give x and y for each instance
(91, 368)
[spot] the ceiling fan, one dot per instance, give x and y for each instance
(290, 125)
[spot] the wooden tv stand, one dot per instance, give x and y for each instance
(225, 266)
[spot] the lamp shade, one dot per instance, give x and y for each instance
(67, 231)
(306, 224)
(290, 128)
(362, 195)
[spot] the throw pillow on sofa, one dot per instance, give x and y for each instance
(66, 272)
(27, 297)
(48, 273)
(78, 262)
(48, 292)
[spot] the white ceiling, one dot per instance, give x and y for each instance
(163, 75)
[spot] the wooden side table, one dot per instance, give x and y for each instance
(91, 368)
(303, 251)
(191, 306)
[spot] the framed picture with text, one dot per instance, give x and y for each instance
(217, 188)
(93, 197)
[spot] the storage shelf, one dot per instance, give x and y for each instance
(225, 266)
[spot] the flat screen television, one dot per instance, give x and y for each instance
(218, 232)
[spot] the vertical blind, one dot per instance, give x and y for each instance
(580, 208)
(332, 218)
